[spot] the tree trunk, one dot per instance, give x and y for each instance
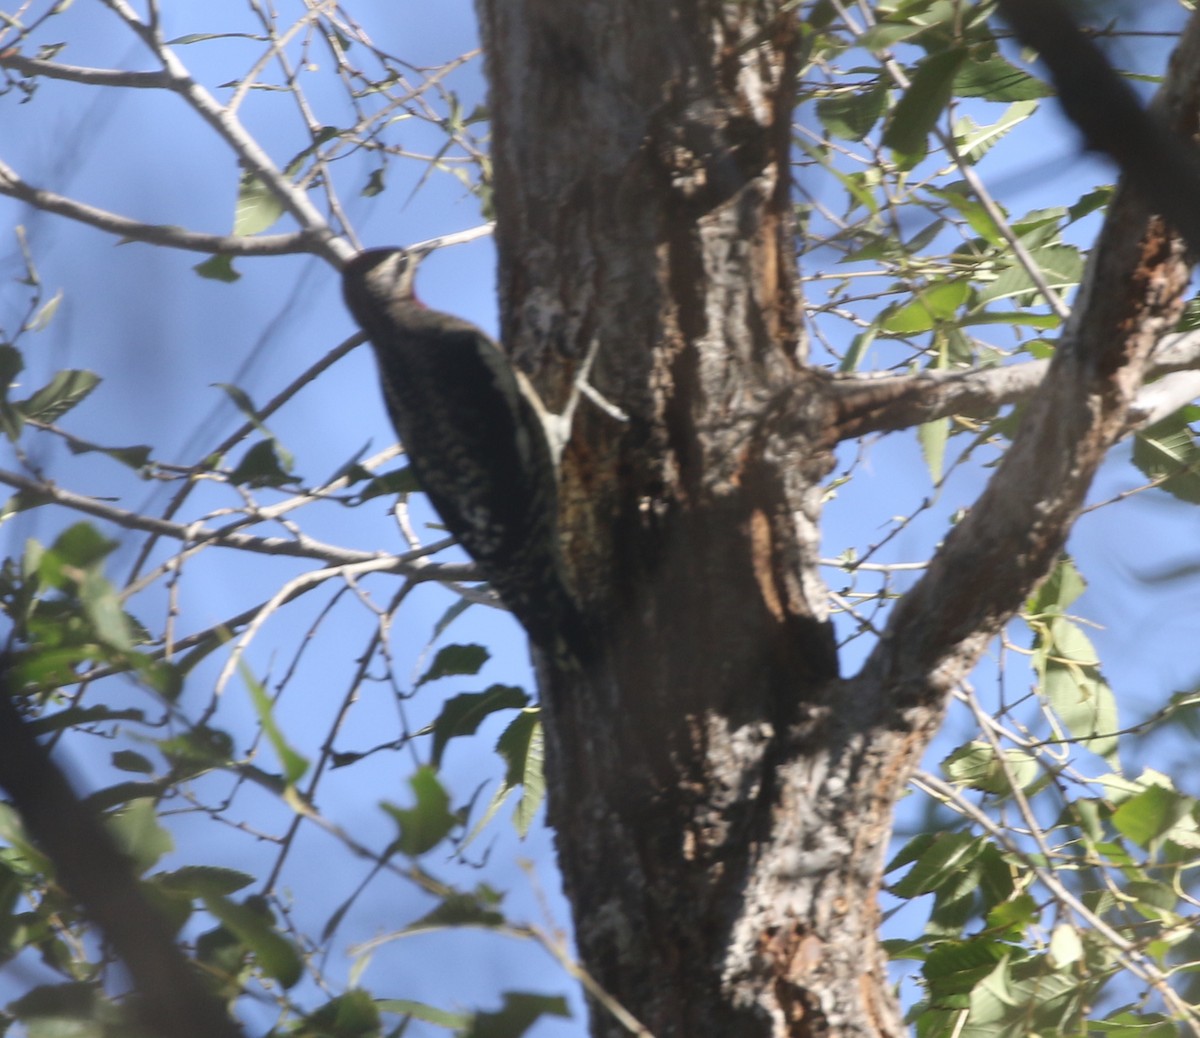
(722, 798)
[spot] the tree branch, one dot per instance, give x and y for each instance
(887, 403)
(173, 1002)
(154, 234)
(1131, 294)
(413, 565)
(110, 77)
(1155, 154)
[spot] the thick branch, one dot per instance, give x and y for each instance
(887, 403)
(1155, 160)
(1132, 294)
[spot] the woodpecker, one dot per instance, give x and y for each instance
(478, 440)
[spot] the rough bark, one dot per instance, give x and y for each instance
(722, 798)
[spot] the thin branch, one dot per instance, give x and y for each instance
(416, 568)
(1131, 958)
(323, 240)
(153, 234)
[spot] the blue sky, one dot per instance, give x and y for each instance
(161, 337)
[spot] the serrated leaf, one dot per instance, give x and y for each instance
(933, 436)
(975, 141)
(976, 765)
(1167, 453)
(522, 747)
(1061, 267)
(995, 79)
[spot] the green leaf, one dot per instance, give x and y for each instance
(1018, 1000)
(293, 763)
(136, 830)
(218, 268)
(519, 1013)
(455, 660)
(977, 766)
(1167, 453)
(130, 760)
(136, 457)
(203, 881)
(522, 747)
(994, 79)
(352, 1015)
(1064, 585)
(917, 112)
(932, 436)
(257, 207)
(929, 307)
(425, 825)
(389, 484)
(975, 141)
(45, 313)
(1061, 267)
(420, 1011)
(253, 925)
(463, 714)
(103, 609)
(1150, 814)
(11, 365)
(261, 466)
(74, 1010)
(947, 855)
(850, 114)
(55, 399)
(459, 909)
(1068, 666)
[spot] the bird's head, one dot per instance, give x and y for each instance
(380, 277)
